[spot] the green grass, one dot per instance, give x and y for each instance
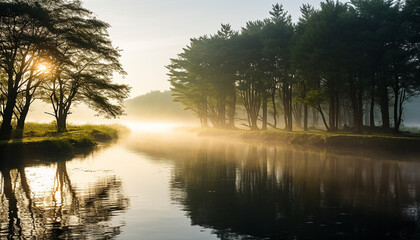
(375, 139)
(77, 136)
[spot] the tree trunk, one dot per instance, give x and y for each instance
(12, 92)
(253, 122)
(323, 118)
(397, 127)
(385, 114)
(354, 104)
(286, 97)
(232, 110)
(365, 114)
(384, 104)
(222, 113)
(289, 103)
(315, 122)
(22, 117)
(62, 123)
(285, 108)
(204, 114)
(286, 115)
(331, 114)
(345, 118)
(21, 122)
(372, 109)
(297, 113)
(273, 99)
(399, 105)
(359, 123)
(396, 103)
(398, 100)
(305, 118)
(291, 108)
(337, 112)
(372, 102)
(6, 124)
(264, 109)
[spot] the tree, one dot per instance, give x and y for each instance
(227, 68)
(3, 93)
(403, 57)
(186, 78)
(27, 95)
(252, 86)
(84, 63)
(203, 78)
(380, 24)
(65, 39)
(306, 11)
(341, 60)
(24, 27)
(322, 45)
(278, 36)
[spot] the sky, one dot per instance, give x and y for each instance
(150, 32)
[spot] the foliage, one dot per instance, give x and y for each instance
(58, 51)
(342, 60)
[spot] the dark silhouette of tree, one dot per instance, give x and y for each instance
(24, 27)
(341, 60)
(278, 36)
(203, 78)
(84, 62)
(225, 80)
(27, 96)
(251, 84)
(189, 87)
(56, 50)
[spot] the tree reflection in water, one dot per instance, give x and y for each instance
(268, 192)
(61, 212)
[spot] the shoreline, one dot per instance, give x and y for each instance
(41, 144)
(382, 142)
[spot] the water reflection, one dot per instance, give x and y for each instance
(243, 191)
(42, 202)
(190, 188)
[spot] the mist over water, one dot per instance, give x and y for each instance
(164, 182)
(135, 119)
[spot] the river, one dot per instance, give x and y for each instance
(174, 185)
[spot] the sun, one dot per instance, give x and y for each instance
(43, 68)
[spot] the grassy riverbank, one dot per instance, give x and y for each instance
(371, 141)
(44, 136)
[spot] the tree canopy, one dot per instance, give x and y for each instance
(59, 52)
(348, 62)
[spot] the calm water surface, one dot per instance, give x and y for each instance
(153, 185)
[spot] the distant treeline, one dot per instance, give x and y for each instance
(341, 64)
(156, 105)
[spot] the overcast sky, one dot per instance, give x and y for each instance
(150, 32)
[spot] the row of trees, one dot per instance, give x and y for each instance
(57, 51)
(342, 61)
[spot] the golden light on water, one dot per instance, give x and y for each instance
(41, 179)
